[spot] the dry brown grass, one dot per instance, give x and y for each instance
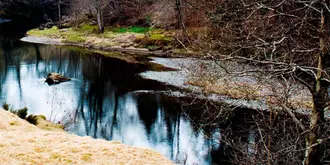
(232, 89)
(23, 143)
(298, 99)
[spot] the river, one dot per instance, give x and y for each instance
(106, 99)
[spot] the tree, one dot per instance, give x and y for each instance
(99, 15)
(288, 39)
(178, 7)
(319, 90)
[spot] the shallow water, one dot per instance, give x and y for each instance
(106, 99)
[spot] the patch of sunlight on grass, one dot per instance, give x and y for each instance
(45, 32)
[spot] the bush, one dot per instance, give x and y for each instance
(22, 113)
(33, 119)
(5, 106)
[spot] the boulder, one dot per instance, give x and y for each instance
(55, 78)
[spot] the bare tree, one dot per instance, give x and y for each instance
(178, 6)
(287, 39)
(99, 15)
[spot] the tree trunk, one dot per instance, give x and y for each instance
(178, 5)
(100, 17)
(59, 14)
(313, 150)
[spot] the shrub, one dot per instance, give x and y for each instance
(5, 106)
(22, 113)
(32, 119)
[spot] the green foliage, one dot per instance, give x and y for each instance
(6, 106)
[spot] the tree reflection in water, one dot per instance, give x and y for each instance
(101, 101)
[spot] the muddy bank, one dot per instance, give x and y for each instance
(188, 68)
(21, 142)
(206, 79)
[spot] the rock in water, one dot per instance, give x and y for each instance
(56, 78)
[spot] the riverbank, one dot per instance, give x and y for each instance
(206, 80)
(209, 80)
(131, 40)
(23, 143)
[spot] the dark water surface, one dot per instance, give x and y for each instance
(103, 100)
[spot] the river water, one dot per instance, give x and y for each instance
(106, 99)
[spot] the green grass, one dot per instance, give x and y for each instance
(76, 34)
(75, 38)
(86, 29)
(133, 29)
(71, 35)
(136, 29)
(45, 32)
(107, 34)
(154, 40)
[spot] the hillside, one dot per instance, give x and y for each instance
(23, 143)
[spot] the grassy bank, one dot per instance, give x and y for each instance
(24, 143)
(118, 37)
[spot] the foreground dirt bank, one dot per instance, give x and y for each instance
(23, 143)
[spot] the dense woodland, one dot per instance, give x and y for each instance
(285, 39)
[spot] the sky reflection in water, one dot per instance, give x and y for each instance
(101, 100)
